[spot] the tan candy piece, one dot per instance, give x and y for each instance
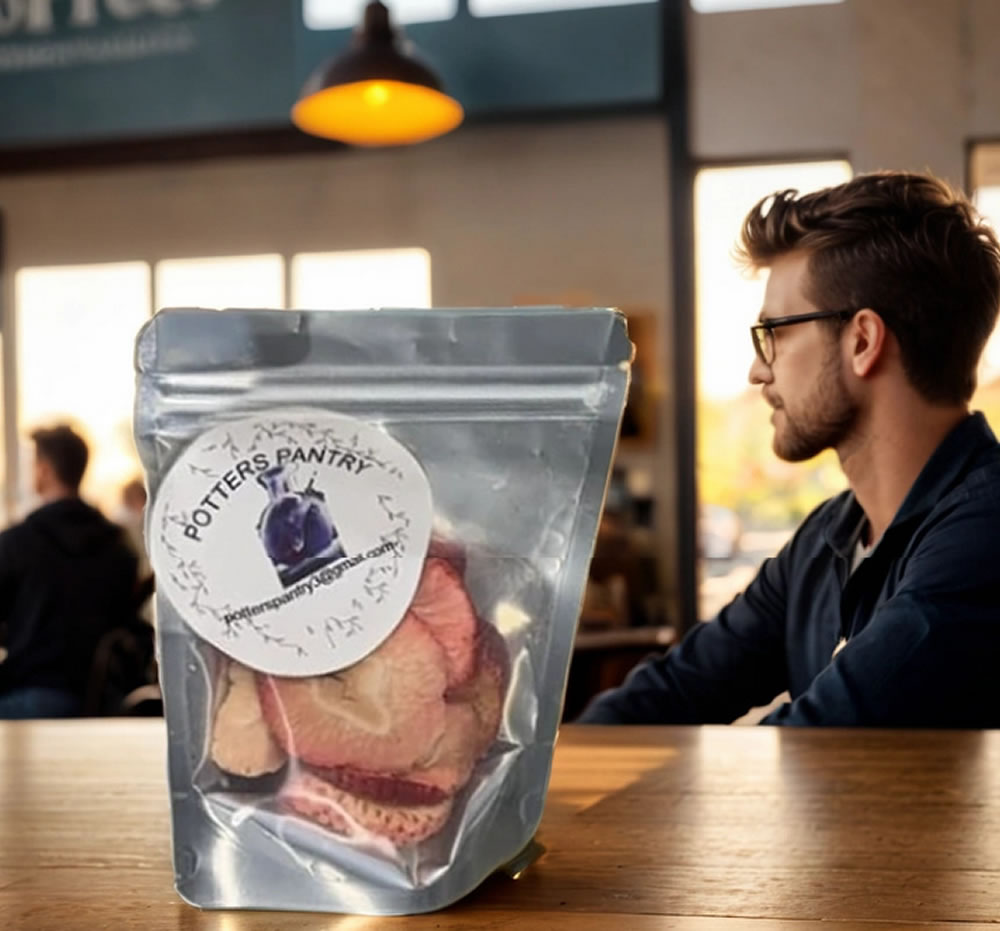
(242, 743)
(381, 714)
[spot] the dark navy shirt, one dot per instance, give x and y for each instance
(921, 616)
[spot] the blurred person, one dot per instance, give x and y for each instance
(884, 607)
(131, 515)
(131, 518)
(67, 576)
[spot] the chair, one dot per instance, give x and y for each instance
(124, 662)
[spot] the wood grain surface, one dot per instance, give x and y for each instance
(645, 828)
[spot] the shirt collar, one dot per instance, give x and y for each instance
(940, 473)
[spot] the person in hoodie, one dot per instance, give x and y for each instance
(67, 576)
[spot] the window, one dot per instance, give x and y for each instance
(346, 14)
(357, 280)
(76, 328)
(512, 7)
(750, 501)
(233, 281)
(986, 195)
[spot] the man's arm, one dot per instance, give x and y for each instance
(719, 671)
(930, 654)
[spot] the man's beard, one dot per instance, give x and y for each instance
(824, 419)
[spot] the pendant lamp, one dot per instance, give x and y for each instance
(377, 93)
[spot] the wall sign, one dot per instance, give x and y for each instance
(83, 70)
(74, 71)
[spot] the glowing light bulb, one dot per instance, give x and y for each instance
(376, 94)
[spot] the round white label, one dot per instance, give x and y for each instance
(294, 540)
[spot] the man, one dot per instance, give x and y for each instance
(131, 518)
(66, 577)
(884, 607)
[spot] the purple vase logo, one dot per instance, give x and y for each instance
(295, 528)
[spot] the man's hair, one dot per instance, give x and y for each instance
(905, 245)
(65, 451)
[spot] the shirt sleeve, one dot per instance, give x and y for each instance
(928, 656)
(720, 670)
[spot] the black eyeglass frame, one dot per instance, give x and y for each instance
(760, 333)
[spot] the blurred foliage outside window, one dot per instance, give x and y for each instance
(987, 396)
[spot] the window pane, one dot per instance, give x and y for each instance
(76, 328)
(987, 396)
(510, 7)
(356, 280)
(231, 281)
(750, 501)
(346, 14)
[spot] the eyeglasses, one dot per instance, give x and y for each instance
(763, 336)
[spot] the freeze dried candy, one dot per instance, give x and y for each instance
(380, 712)
(355, 816)
(242, 742)
(388, 740)
(443, 605)
(472, 719)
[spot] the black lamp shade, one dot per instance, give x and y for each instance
(377, 92)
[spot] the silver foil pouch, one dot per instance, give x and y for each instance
(370, 532)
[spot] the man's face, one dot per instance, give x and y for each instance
(805, 384)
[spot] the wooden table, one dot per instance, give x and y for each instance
(717, 828)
